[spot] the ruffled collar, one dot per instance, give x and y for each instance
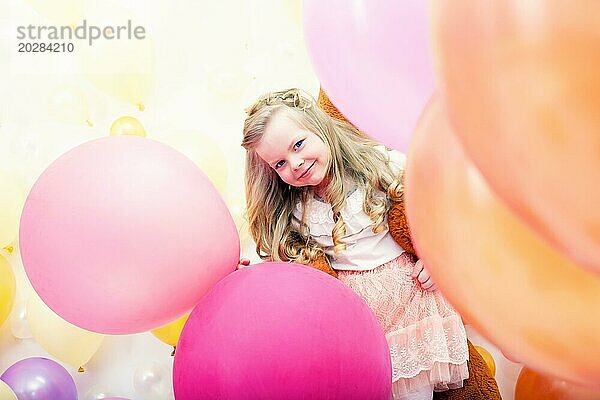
(319, 211)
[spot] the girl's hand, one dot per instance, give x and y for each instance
(422, 275)
(244, 262)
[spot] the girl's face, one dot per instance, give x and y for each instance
(299, 156)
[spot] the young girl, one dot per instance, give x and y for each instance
(316, 186)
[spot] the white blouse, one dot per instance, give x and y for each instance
(365, 250)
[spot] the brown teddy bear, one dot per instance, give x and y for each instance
(481, 384)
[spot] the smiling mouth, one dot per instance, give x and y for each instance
(307, 169)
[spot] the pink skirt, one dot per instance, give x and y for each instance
(426, 336)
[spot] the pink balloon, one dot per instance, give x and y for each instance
(123, 234)
(282, 331)
(374, 63)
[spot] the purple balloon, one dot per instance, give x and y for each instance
(282, 331)
(39, 378)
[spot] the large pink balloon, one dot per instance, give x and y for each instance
(124, 234)
(372, 58)
(282, 331)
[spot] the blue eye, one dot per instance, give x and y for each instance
(297, 145)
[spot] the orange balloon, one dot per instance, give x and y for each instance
(487, 357)
(514, 288)
(534, 386)
(523, 86)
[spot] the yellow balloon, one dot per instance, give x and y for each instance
(487, 357)
(124, 66)
(127, 126)
(6, 392)
(7, 289)
(170, 333)
(65, 341)
(294, 10)
(11, 205)
(237, 207)
(204, 152)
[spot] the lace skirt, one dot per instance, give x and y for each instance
(426, 336)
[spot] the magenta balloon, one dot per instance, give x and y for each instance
(282, 331)
(123, 234)
(38, 378)
(373, 60)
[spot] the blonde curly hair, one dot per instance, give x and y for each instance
(271, 202)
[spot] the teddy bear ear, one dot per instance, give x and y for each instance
(327, 106)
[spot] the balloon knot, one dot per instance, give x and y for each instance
(80, 369)
(141, 106)
(89, 123)
(173, 352)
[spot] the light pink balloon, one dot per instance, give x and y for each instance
(282, 331)
(373, 60)
(123, 234)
